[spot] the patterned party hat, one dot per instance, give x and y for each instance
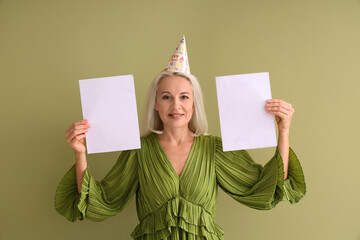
(179, 61)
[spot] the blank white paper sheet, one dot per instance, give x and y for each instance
(244, 122)
(109, 104)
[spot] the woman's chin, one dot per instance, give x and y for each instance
(177, 125)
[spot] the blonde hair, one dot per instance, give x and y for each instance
(151, 120)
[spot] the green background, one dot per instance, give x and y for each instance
(310, 48)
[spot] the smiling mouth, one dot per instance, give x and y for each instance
(176, 115)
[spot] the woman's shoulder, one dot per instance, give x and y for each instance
(149, 139)
(209, 137)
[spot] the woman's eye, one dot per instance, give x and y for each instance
(165, 97)
(184, 97)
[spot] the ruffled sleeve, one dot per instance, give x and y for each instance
(98, 200)
(257, 186)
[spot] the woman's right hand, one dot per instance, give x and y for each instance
(75, 135)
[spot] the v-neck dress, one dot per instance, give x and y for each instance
(170, 206)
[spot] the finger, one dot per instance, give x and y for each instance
(283, 116)
(84, 121)
(275, 100)
(286, 115)
(76, 127)
(279, 109)
(81, 122)
(278, 101)
(77, 139)
(75, 133)
(284, 105)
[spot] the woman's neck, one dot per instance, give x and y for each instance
(176, 136)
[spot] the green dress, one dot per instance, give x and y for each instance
(179, 207)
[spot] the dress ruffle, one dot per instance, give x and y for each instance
(292, 189)
(67, 198)
(68, 202)
(178, 212)
(294, 186)
(84, 197)
(98, 200)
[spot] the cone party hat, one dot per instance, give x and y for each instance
(179, 61)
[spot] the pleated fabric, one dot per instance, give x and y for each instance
(180, 207)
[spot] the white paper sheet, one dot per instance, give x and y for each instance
(244, 122)
(109, 104)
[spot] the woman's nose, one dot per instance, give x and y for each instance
(177, 103)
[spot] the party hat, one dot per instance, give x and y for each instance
(179, 61)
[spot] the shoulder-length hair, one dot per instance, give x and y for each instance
(151, 120)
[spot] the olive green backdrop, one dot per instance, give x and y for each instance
(311, 49)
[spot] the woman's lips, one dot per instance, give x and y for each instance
(176, 115)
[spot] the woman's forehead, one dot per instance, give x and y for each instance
(174, 84)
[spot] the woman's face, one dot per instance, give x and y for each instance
(174, 102)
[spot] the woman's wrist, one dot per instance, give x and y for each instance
(78, 153)
(284, 132)
(80, 156)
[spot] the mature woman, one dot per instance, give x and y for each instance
(176, 173)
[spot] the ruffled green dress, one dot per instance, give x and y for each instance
(179, 207)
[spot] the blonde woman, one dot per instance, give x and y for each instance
(176, 173)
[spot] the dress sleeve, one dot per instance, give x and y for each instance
(98, 200)
(257, 186)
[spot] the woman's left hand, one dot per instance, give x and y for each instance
(283, 112)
